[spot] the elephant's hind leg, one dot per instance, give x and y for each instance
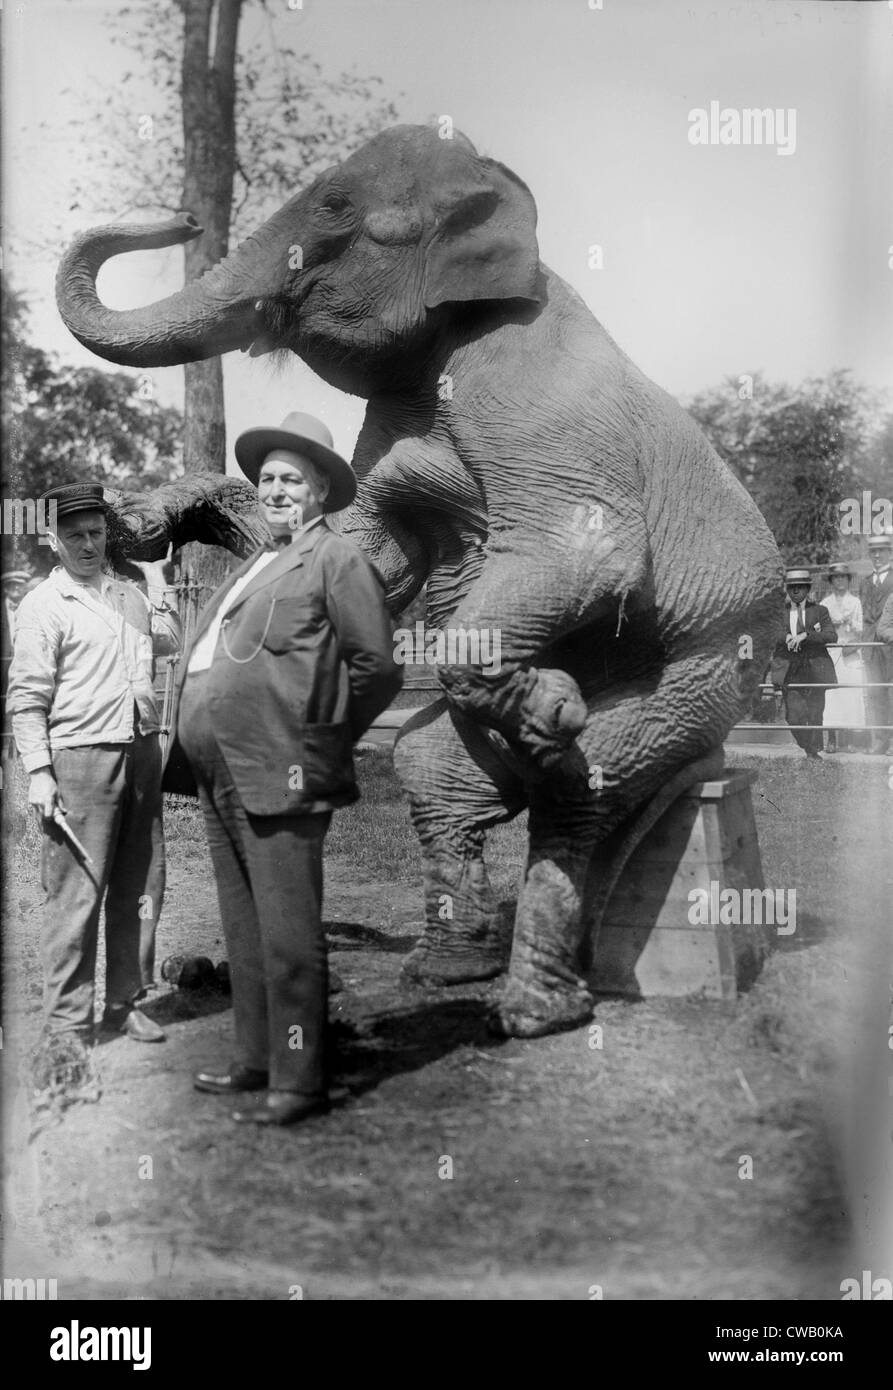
(457, 787)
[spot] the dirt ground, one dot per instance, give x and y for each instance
(577, 1172)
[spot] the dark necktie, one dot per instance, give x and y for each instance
(801, 625)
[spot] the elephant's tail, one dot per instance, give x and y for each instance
(629, 837)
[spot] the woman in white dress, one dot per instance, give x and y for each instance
(845, 705)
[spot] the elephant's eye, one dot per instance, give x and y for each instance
(335, 202)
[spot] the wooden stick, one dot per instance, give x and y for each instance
(59, 818)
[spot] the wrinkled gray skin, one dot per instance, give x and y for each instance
(548, 491)
(201, 507)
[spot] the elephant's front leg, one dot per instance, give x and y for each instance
(543, 991)
(524, 600)
(642, 738)
(457, 786)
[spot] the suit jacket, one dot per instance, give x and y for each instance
(884, 629)
(873, 597)
(304, 663)
(812, 664)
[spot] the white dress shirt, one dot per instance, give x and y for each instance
(206, 646)
(798, 610)
(204, 649)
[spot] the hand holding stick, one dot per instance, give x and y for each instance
(59, 818)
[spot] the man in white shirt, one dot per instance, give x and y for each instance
(874, 591)
(85, 722)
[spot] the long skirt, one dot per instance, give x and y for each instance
(845, 704)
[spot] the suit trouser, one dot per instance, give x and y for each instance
(806, 707)
(269, 872)
(111, 793)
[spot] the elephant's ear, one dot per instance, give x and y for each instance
(485, 244)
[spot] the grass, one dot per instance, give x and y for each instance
(374, 835)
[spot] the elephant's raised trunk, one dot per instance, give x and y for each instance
(212, 315)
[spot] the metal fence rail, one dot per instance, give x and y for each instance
(393, 718)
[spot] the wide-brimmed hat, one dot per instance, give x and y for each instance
(875, 542)
(839, 568)
(303, 434)
(797, 576)
(76, 497)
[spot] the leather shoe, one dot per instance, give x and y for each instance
(124, 1018)
(280, 1108)
(238, 1078)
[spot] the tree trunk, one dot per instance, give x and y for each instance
(208, 93)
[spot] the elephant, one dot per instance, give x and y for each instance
(551, 496)
(201, 507)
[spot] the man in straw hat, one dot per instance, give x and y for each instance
(874, 591)
(291, 661)
(801, 661)
(85, 721)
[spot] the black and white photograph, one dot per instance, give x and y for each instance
(447, 659)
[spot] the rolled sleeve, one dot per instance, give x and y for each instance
(32, 683)
(167, 636)
(29, 730)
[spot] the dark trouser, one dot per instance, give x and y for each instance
(269, 887)
(806, 707)
(879, 703)
(111, 793)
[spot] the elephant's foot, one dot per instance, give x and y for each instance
(552, 714)
(530, 1009)
(543, 992)
(467, 936)
(448, 961)
(456, 966)
(540, 711)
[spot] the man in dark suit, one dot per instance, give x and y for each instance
(885, 623)
(291, 661)
(874, 591)
(802, 661)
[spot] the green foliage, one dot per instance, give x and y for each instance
(64, 424)
(800, 451)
